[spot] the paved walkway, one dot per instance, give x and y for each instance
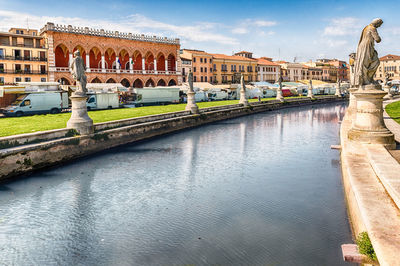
(389, 122)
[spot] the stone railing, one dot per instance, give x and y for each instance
(105, 33)
(125, 71)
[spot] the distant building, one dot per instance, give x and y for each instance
(134, 60)
(23, 56)
(267, 70)
(291, 71)
(186, 62)
(245, 54)
(202, 63)
(388, 64)
(339, 72)
(229, 68)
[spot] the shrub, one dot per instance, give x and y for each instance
(364, 245)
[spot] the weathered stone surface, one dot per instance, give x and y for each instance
(80, 119)
(368, 125)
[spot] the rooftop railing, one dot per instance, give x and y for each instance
(105, 33)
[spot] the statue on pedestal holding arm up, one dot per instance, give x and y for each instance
(367, 61)
(77, 69)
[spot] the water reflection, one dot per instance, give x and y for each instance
(238, 192)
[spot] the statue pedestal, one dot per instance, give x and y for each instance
(352, 108)
(279, 95)
(243, 99)
(368, 125)
(337, 92)
(191, 103)
(310, 94)
(80, 120)
(388, 96)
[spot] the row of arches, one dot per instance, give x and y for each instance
(151, 62)
(137, 83)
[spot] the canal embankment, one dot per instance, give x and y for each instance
(21, 154)
(370, 179)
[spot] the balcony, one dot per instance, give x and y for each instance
(124, 71)
(22, 72)
(21, 58)
(24, 45)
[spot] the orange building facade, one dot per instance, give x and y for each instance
(133, 60)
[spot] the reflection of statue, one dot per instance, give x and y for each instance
(77, 69)
(367, 61)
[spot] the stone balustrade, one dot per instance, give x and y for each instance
(105, 33)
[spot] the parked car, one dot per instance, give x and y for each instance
(38, 103)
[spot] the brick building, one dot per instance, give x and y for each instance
(133, 60)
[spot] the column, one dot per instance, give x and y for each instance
(155, 66)
(143, 66)
(71, 57)
(34, 42)
(176, 65)
(166, 66)
(87, 63)
(103, 64)
(130, 65)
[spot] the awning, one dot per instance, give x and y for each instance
(11, 90)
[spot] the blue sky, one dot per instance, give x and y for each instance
(279, 29)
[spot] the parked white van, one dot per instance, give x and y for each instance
(38, 103)
(98, 101)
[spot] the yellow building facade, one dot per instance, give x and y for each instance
(23, 57)
(229, 68)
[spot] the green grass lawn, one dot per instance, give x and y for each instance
(28, 124)
(393, 109)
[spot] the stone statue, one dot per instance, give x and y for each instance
(77, 69)
(367, 61)
(190, 80)
(352, 58)
(243, 98)
(387, 76)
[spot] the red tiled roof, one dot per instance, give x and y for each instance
(244, 52)
(232, 57)
(390, 57)
(262, 61)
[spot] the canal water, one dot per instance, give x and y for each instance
(257, 190)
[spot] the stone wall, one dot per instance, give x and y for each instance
(29, 152)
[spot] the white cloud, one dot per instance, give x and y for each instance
(240, 30)
(249, 25)
(198, 32)
(264, 23)
(343, 27)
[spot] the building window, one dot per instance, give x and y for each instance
(215, 67)
(18, 68)
(1, 68)
(205, 69)
(184, 79)
(194, 78)
(1, 53)
(205, 60)
(17, 54)
(211, 70)
(27, 55)
(201, 60)
(194, 59)
(27, 69)
(201, 69)
(210, 79)
(201, 78)
(2, 80)
(43, 80)
(27, 79)
(205, 79)
(194, 69)
(17, 79)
